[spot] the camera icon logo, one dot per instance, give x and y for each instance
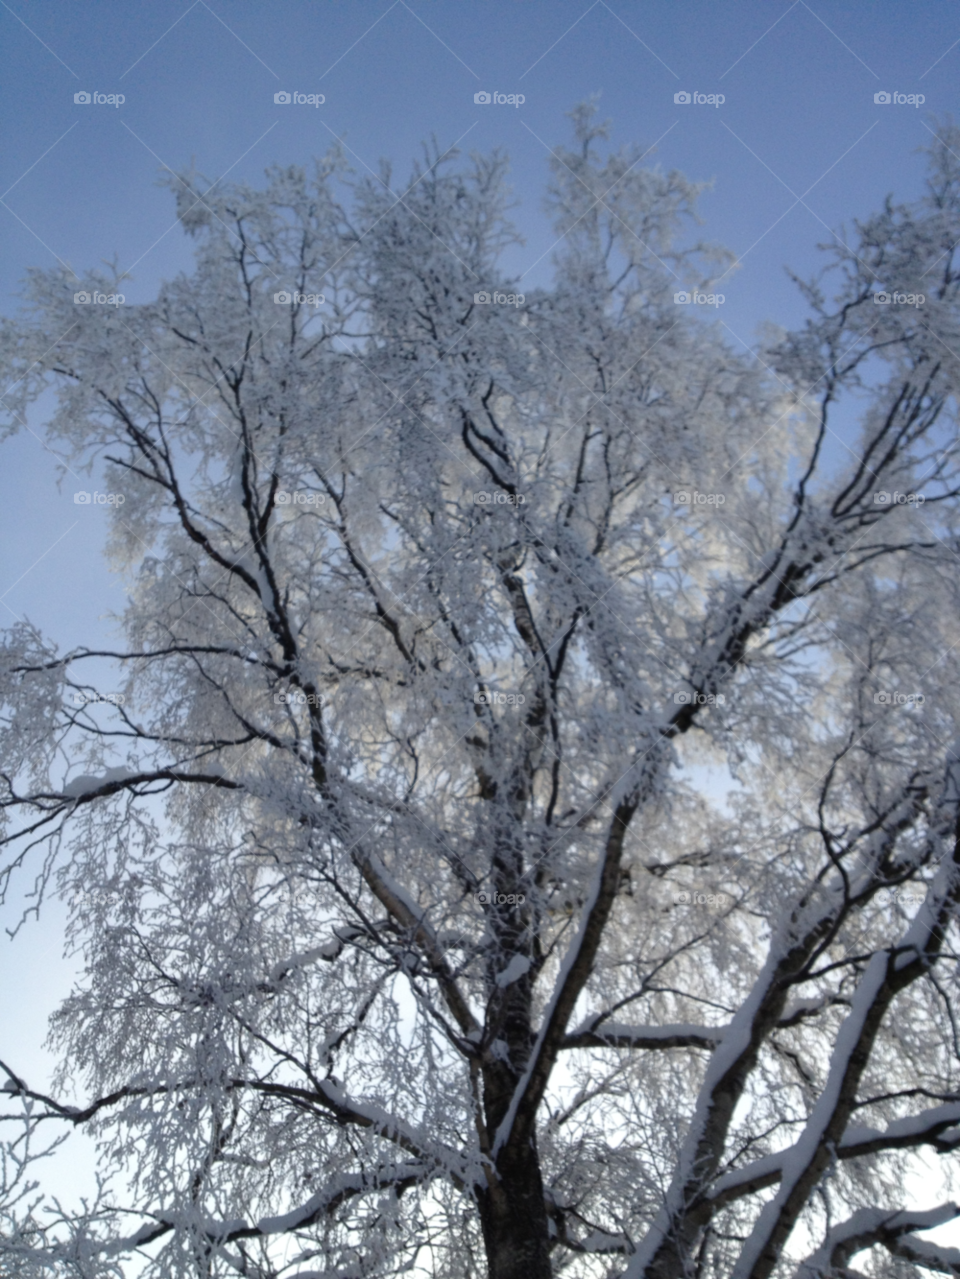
(80, 298)
(682, 98)
(681, 899)
(681, 297)
(482, 99)
(483, 898)
(283, 497)
(882, 98)
(881, 499)
(481, 297)
(682, 497)
(82, 498)
(83, 98)
(882, 299)
(283, 298)
(283, 98)
(882, 699)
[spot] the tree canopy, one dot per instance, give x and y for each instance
(521, 835)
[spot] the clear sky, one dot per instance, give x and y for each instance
(797, 148)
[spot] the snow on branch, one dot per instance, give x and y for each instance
(871, 1226)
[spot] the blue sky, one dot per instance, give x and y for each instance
(198, 80)
(797, 148)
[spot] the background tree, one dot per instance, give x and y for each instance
(414, 939)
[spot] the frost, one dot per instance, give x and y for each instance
(518, 967)
(87, 782)
(581, 750)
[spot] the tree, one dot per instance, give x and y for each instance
(417, 936)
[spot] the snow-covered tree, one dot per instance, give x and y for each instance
(521, 837)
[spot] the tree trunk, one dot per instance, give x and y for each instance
(514, 1220)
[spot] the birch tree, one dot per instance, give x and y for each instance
(519, 835)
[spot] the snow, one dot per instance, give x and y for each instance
(650, 1034)
(867, 1225)
(944, 1259)
(328, 950)
(385, 1025)
(598, 1240)
(802, 1153)
(899, 1131)
(567, 963)
(910, 1126)
(757, 1170)
(734, 1044)
(333, 1188)
(289, 1220)
(88, 782)
(519, 965)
